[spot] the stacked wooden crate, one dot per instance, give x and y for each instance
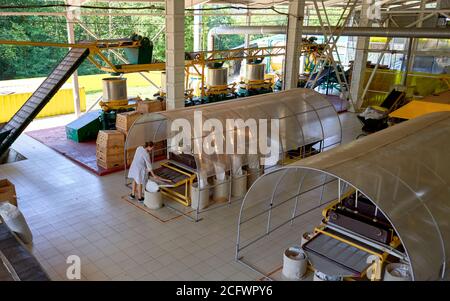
(110, 149)
(7, 192)
(124, 121)
(149, 106)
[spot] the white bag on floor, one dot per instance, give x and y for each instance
(15, 220)
(151, 186)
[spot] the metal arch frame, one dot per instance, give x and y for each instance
(334, 177)
(262, 111)
(403, 191)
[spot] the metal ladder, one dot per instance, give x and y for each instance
(330, 55)
(31, 108)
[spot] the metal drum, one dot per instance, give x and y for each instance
(163, 82)
(255, 71)
(114, 89)
(217, 77)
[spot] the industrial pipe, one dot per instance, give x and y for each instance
(433, 33)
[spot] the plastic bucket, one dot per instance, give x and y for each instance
(294, 263)
(397, 272)
(239, 185)
(200, 199)
(221, 190)
(153, 200)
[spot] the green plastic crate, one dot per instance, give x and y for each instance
(84, 128)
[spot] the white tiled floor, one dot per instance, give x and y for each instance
(74, 212)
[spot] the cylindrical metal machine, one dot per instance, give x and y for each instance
(255, 72)
(217, 76)
(114, 88)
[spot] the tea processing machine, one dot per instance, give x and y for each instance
(255, 83)
(181, 169)
(354, 240)
(374, 209)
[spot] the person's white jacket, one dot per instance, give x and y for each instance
(140, 166)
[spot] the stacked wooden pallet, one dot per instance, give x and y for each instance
(110, 149)
(124, 121)
(7, 192)
(149, 106)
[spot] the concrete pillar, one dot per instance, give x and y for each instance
(174, 54)
(75, 84)
(293, 44)
(248, 21)
(359, 64)
(198, 28)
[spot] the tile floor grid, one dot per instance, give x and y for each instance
(72, 211)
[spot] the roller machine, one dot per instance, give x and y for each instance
(354, 241)
(255, 83)
(181, 170)
(16, 262)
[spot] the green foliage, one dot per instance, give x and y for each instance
(226, 41)
(25, 61)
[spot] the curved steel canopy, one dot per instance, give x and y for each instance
(304, 117)
(404, 170)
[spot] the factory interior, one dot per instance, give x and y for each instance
(225, 140)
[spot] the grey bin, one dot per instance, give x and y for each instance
(397, 272)
(221, 190)
(239, 185)
(200, 198)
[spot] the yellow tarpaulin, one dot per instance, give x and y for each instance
(418, 108)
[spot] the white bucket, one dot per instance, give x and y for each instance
(153, 200)
(200, 199)
(221, 190)
(397, 272)
(319, 276)
(294, 263)
(239, 185)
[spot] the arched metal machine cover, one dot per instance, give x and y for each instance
(405, 171)
(304, 117)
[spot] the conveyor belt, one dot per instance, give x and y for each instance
(170, 174)
(11, 131)
(21, 263)
(336, 258)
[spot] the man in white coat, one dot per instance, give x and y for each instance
(139, 169)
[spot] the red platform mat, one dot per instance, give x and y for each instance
(81, 153)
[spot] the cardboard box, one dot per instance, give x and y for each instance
(110, 149)
(124, 121)
(149, 106)
(109, 164)
(7, 192)
(110, 139)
